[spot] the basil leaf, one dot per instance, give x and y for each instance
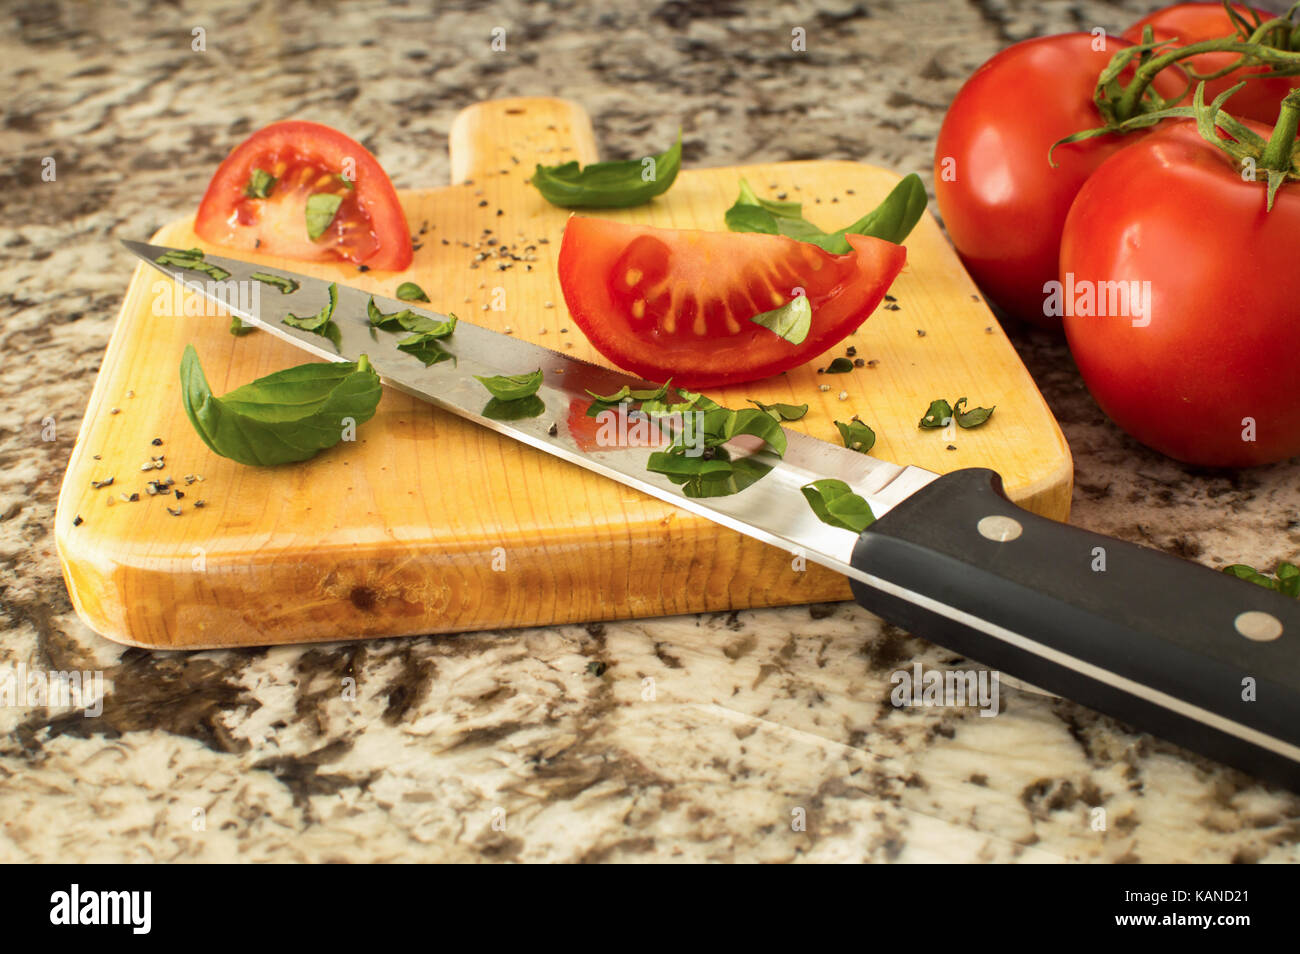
(409, 291)
(856, 436)
(1286, 579)
(319, 323)
(626, 393)
(407, 320)
(193, 260)
(782, 412)
(259, 184)
(512, 387)
(839, 366)
(892, 220)
(609, 185)
(426, 348)
(938, 415)
(972, 418)
(835, 503)
(287, 416)
(287, 286)
(238, 328)
(516, 410)
(679, 465)
(792, 321)
(321, 209)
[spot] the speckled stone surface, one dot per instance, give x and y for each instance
(764, 735)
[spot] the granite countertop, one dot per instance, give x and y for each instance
(508, 745)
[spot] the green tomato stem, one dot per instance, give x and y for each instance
(1277, 155)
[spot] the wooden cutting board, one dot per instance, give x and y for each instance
(428, 523)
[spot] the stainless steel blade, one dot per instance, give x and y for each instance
(772, 509)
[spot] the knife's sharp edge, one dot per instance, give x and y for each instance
(772, 509)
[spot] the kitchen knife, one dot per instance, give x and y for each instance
(1206, 660)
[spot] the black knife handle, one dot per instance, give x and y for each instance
(1140, 635)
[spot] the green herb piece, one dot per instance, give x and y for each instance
(856, 435)
(259, 184)
(512, 387)
(238, 328)
(321, 209)
(839, 366)
(517, 409)
(892, 220)
(782, 412)
(835, 503)
(609, 185)
(972, 418)
(1285, 579)
(407, 320)
(320, 323)
(409, 291)
(347, 183)
(287, 286)
(426, 348)
(626, 393)
(792, 321)
(938, 415)
(287, 416)
(193, 260)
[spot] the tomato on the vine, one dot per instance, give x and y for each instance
(677, 303)
(1190, 23)
(1002, 202)
(1210, 374)
(258, 199)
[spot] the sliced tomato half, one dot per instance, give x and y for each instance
(677, 303)
(305, 159)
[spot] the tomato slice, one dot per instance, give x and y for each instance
(677, 303)
(306, 159)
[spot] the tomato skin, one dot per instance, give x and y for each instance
(226, 217)
(1190, 23)
(723, 279)
(1225, 301)
(1002, 202)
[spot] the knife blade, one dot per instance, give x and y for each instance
(1201, 658)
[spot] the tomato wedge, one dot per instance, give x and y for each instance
(242, 210)
(677, 303)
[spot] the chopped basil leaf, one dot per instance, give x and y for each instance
(238, 328)
(426, 348)
(792, 321)
(892, 220)
(782, 412)
(938, 415)
(1285, 580)
(287, 416)
(626, 393)
(839, 366)
(321, 209)
(259, 184)
(856, 435)
(407, 320)
(972, 418)
(512, 387)
(609, 185)
(835, 503)
(287, 286)
(409, 291)
(320, 323)
(193, 260)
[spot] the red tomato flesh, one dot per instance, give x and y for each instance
(677, 303)
(306, 159)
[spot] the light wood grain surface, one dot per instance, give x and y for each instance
(429, 524)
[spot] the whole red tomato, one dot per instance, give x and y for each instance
(1190, 23)
(1002, 202)
(1206, 369)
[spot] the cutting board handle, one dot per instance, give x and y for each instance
(509, 133)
